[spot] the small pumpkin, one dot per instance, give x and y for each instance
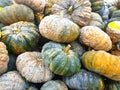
(102, 63)
(12, 81)
(85, 80)
(96, 38)
(54, 85)
(79, 11)
(113, 30)
(36, 5)
(15, 13)
(61, 59)
(20, 37)
(58, 29)
(36, 72)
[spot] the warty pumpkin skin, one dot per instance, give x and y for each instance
(4, 58)
(84, 80)
(12, 81)
(79, 11)
(58, 29)
(102, 63)
(32, 67)
(61, 59)
(15, 13)
(20, 37)
(96, 38)
(54, 85)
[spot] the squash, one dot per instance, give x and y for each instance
(61, 59)
(14, 13)
(58, 29)
(79, 11)
(111, 2)
(85, 80)
(20, 37)
(12, 81)
(113, 30)
(4, 3)
(94, 37)
(32, 67)
(102, 63)
(113, 85)
(4, 58)
(36, 5)
(54, 85)
(115, 16)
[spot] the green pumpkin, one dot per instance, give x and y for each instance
(84, 80)
(20, 37)
(60, 59)
(4, 3)
(115, 16)
(15, 13)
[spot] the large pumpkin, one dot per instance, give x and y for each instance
(96, 38)
(15, 13)
(12, 81)
(36, 72)
(103, 63)
(58, 29)
(79, 11)
(4, 58)
(84, 80)
(36, 5)
(61, 59)
(20, 37)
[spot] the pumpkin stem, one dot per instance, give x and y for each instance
(67, 48)
(70, 10)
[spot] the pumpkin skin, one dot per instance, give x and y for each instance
(60, 59)
(36, 5)
(67, 32)
(113, 30)
(54, 85)
(79, 11)
(94, 37)
(113, 85)
(4, 58)
(84, 80)
(36, 72)
(107, 67)
(14, 13)
(115, 16)
(12, 81)
(20, 37)
(4, 3)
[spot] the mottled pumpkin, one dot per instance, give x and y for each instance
(79, 11)
(61, 59)
(113, 85)
(36, 5)
(96, 38)
(15, 13)
(115, 16)
(4, 3)
(4, 58)
(20, 37)
(12, 81)
(85, 80)
(102, 63)
(54, 85)
(58, 29)
(113, 30)
(111, 2)
(32, 67)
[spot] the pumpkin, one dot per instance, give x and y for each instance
(61, 59)
(54, 85)
(102, 63)
(12, 81)
(58, 29)
(14, 13)
(113, 85)
(79, 11)
(20, 37)
(115, 16)
(113, 30)
(111, 2)
(94, 37)
(4, 58)
(36, 5)
(118, 4)
(84, 80)
(36, 72)
(31, 88)
(4, 3)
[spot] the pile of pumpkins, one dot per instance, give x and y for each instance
(59, 44)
